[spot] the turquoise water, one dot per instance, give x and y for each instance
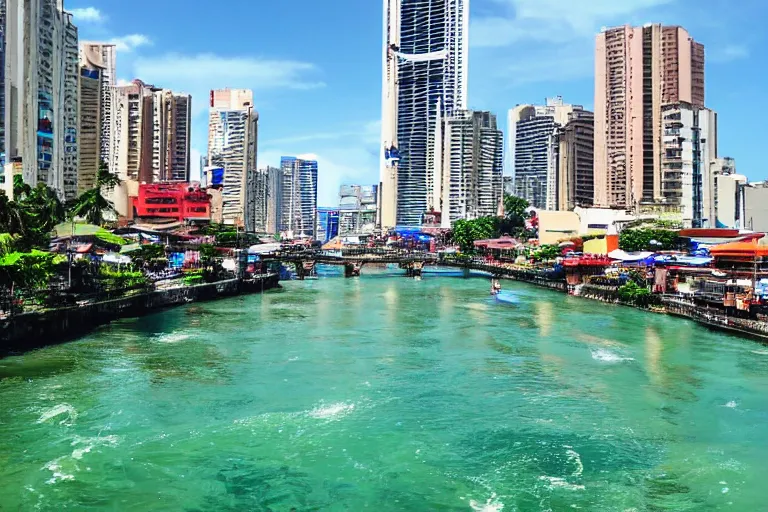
(387, 393)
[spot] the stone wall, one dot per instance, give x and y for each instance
(36, 329)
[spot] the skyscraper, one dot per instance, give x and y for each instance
(532, 149)
(232, 140)
(425, 57)
(106, 54)
(469, 159)
(49, 62)
(637, 70)
(575, 161)
(90, 118)
(298, 209)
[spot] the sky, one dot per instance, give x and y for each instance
(315, 67)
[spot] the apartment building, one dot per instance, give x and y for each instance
(90, 118)
(425, 68)
(637, 70)
(150, 133)
(232, 144)
(689, 143)
(575, 162)
(754, 206)
(298, 208)
(533, 148)
(106, 55)
(468, 167)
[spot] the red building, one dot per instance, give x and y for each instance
(180, 201)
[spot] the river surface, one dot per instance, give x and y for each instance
(386, 393)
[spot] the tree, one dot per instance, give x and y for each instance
(466, 232)
(631, 240)
(515, 206)
(92, 205)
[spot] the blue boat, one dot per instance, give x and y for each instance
(506, 297)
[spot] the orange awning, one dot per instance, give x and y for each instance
(740, 249)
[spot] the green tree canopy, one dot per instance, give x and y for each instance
(466, 232)
(631, 240)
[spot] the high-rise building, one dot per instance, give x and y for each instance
(468, 167)
(106, 55)
(425, 57)
(150, 133)
(12, 73)
(232, 141)
(298, 208)
(637, 70)
(533, 148)
(328, 224)
(357, 209)
(689, 147)
(48, 94)
(575, 161)
(274, 199)
(754, 207)
(90, 118)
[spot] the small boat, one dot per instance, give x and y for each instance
(506, 297)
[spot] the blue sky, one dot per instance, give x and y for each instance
(315, 67)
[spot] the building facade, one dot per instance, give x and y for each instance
(575, 161)
(298, 208)
(727, 197)
(637, 70)
(689, 141)
(43, 44)
(106, 55)
(90, 118)
(425, 67)
(468, 167)
(357, 209)
(754, 207)
(327, 224)
(533, 149)
(232, 146)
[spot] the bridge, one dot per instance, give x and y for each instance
(413, 262)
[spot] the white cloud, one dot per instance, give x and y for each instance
(728, 53)
(555, 21)
(87, 15)
(130, 42)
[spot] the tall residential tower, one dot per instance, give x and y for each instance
(637, 70)
(425, 56)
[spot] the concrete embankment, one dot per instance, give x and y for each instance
(36, 329)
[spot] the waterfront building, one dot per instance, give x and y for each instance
(90, 118)
(178, 201)
(753, 201)
(689, 147)
(575, 161)
(637, 70)
(533, 148)
(106, 56)
(726, 200)
(327, 224)
(298, 206)
(357, 209)
(425, 68)
(232, 140)
(467, 164)
(274, 177)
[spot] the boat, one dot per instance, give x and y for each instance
(506, 297)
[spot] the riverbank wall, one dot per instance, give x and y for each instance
(31, 330)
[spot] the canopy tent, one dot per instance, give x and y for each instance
(264, 248)
(751, 249)
(626, 257)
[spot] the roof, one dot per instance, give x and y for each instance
(740, 249)
(504, 242)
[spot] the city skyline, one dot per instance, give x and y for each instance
(535, 54)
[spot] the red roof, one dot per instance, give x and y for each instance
(504, 242)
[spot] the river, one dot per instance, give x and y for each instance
(387, 393)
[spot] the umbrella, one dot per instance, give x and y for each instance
(566, 244)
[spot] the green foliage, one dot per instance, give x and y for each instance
(193, 278)
(515, 206)
(113, 278)
(466, 232)
(633, 293)
(29, 270)
(207, 253)
(546, 253)
(640, 239)
(92, 205)
(32, 216)
(110, 238)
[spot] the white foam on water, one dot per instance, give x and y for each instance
(760, 352)
(492, 505)
(292, 359)
(731, 405)
(59, 475)
(172, 337)
(90, 443)
(575, 458)
(59, 410)
(607, 356)
(333, 411)
(561, 483)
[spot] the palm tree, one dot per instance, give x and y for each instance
(44, 205)
(11, 216)
(92, 205)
